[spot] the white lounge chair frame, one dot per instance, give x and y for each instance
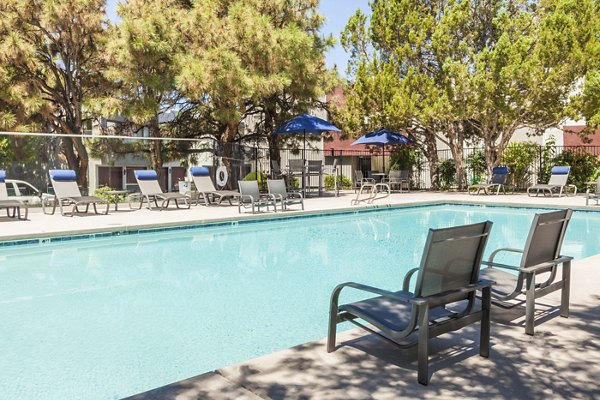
(9, 204)
(66, 193)
(206, 190)
(557, 182)
(151, 192)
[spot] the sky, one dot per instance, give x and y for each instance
(336, 13)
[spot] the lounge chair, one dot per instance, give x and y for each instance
(449, 273)
(360, 180)
(498, 182)
(250, 196)
(66, 193)
(558, 182)
(151, 191)
(278, 190)
(399, 180)
(206, 188)
(541, 255)
(10, 205)
(593, 194)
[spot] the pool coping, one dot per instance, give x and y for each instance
(245, 219)
(43, 238)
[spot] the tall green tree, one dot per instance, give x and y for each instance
(50, 66)
(141, 62)
(459, 71)
(257, 58)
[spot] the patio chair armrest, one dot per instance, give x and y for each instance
(407, 278)
(268, 196)
(544, 266)
(277, 196)
(451, 296)
(402, 296)
(499, 265)
(247, 197)
(508, 249)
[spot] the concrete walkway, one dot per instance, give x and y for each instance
(561, 361)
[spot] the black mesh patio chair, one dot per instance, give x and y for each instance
(444, 298)
(537, 274)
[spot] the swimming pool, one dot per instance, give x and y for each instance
(111, 317)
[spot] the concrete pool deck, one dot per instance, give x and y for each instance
(561, 361)
(41, 225)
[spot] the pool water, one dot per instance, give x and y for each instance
(107, 318)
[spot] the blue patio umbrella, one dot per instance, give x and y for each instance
(304, 124)
(383, 137)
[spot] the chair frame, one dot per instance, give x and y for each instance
(151, 192)
(498, 181)
(425, 305)
(278, 190)
(249, 193)
(593, 195)
(526, 283)
(556, 182)
(8, 204)
(399, 178)
(66, 193)
(206, 190)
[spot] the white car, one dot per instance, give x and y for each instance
(24, 191)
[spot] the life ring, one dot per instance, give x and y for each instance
(222, 176)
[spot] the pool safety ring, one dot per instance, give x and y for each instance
(222, 175)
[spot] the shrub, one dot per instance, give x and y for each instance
(404, 158)
(101, 192)
(447, 172)
(519, 158)
(476, 163)
(342, 182)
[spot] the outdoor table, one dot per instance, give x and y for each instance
(113, 196)
(380, 176)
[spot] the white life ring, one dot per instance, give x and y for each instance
(222, 176)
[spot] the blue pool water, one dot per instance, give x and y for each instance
(107, 318)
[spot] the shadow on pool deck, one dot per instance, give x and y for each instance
(561, 361)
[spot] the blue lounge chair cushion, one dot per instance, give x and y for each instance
(145, 174)
(500, 170)
(2, 175)
(560, 170)
(199, 171)
(62, 175)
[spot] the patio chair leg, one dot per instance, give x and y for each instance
(423, 346)
(530, 304)
(484, 338)
(566, 289)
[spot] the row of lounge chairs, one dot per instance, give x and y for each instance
(69, 200)
(449, 282)
(557, 184)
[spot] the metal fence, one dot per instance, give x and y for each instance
(112, 161)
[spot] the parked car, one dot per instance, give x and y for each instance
(24, 191)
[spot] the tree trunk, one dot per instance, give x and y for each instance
(156, 159)
(457, 142)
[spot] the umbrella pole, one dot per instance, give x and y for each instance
(304, 165)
